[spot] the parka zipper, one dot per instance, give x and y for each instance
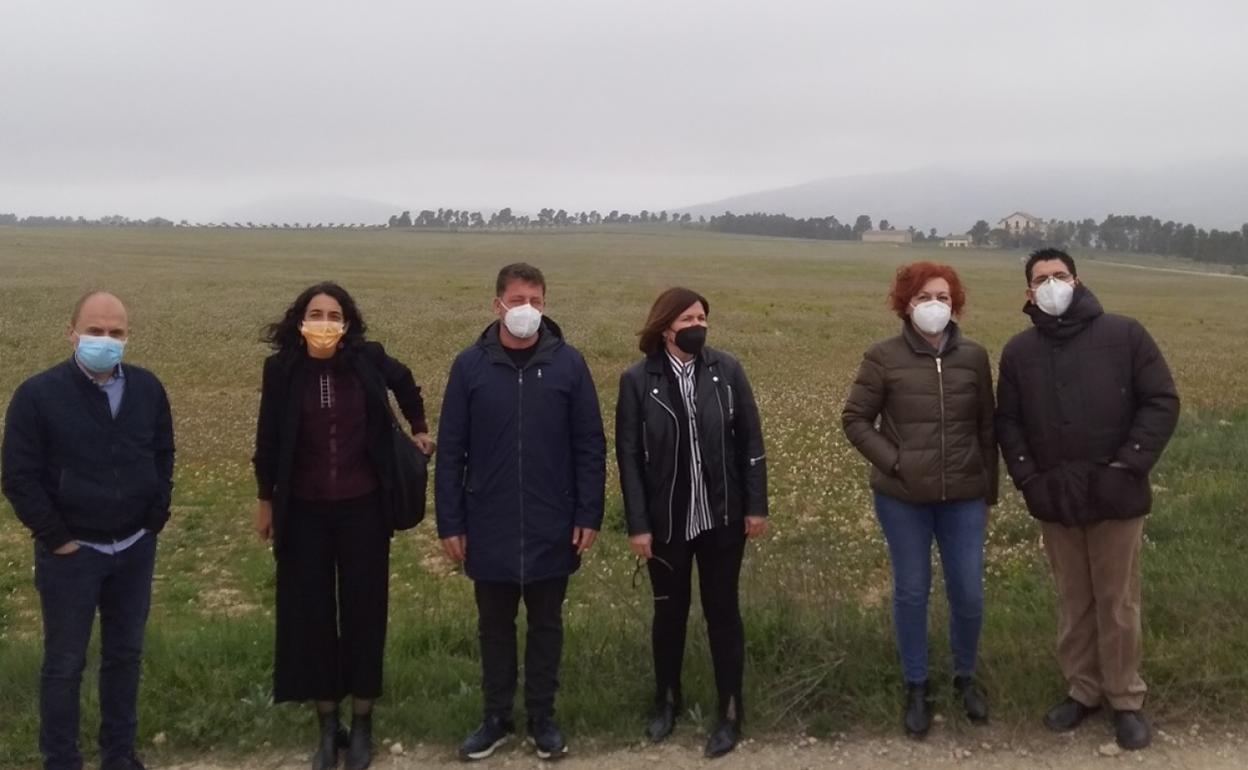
(520, 462)
(940, 384)
(671, 495)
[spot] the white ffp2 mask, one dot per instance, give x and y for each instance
(931, 317)
(1054, 296)
(523, 321)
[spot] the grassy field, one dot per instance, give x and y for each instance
(816, 593)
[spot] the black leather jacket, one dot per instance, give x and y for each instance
(730, 436)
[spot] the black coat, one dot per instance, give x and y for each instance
(1076, 393)
(73, 471)
(730, 434)
(522, 458)
(277, 429)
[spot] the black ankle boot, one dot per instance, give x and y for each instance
(326, 756)
(360, 750)
(973, 700)
(662, 722)
(917, 717)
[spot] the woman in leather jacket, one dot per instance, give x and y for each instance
(690, 450)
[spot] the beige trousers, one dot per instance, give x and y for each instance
(1097, 571)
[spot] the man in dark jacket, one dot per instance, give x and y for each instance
(1085, 406)
(88, 466)
(519, 497)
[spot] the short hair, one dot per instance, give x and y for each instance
(1044, 255)
(910, 280)
(73, 318)
(666, 309)
(519, 271)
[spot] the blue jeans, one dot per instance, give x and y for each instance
(958, 527)
(71, 589)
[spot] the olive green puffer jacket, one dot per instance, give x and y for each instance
(934, 439)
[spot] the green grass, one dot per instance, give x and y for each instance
(815, 594)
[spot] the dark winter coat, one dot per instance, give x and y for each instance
(277, 428)
(522, 458)
(730, 435)
(924, 419)
(1075, 394)
(73, 471)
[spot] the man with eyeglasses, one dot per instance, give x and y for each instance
(1085, 406)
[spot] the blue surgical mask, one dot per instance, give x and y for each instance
(99, 354)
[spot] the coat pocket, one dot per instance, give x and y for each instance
(1061, 495)
(1120, 493)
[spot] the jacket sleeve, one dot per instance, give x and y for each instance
(23, 459)
(163, 450)
(987, 431)
(589, 451)
(751, 456)
(862, 407)
(453, 430)
(1011, 433)
(630, 455)
(1156, 404)
(399, 380)
(268, 430)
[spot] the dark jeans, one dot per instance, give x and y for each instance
(333, 590)
(958, 527)
(497, 604)
(718, 552)
(71, 589)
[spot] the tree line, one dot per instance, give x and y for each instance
(453, 219)
(1117, 232)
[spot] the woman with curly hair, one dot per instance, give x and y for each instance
(324, 459)
(921, 411)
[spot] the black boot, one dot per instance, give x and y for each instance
(727, 732)
(662, 722)
(326, 756)
(973, 700)
(360, 751)
(917, 717)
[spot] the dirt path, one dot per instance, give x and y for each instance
(1179, 270)
(997, 748)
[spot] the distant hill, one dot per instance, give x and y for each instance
(1210, 194)
(312, 208)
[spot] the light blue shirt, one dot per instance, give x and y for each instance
(114, 387)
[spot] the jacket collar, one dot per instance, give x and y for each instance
(1084, 309)
(656, 363)
(924, 348)
(551, 339)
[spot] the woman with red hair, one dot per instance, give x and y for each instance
(921, 411)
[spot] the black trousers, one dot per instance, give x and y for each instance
(718, 552)
(497, 604)
(333, 584)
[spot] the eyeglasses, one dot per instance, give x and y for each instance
(1040, 280)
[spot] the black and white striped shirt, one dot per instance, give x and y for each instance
(699, 518)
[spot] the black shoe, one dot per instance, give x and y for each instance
(973, 700)
(128, 762)
(493, 732)
(662, 723)
(360, 749)
(546, 736)
(723, 738)
(326, 756)
(917, 718)
(1068, 715)
(1131, 729)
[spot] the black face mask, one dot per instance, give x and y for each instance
(691, 339)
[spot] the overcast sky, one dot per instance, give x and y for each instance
(183, 108)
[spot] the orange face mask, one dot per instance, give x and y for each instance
(322, 337)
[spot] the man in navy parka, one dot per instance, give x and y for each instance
(519, 496)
